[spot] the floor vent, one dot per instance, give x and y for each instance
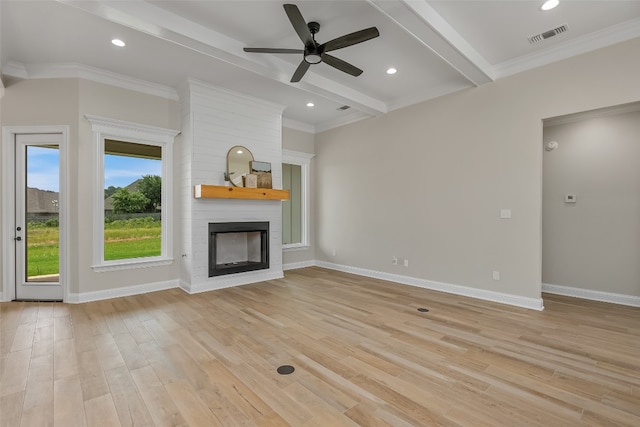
(285, 369)
(547, 34)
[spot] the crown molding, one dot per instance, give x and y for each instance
(80, 71)
(354, 117)
(418, 98)
(296, 125)
(616, 34)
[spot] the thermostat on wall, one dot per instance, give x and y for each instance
(569, 198)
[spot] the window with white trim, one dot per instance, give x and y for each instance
(133, 199)
(295, 212)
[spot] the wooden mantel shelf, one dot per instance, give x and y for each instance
(202, 191)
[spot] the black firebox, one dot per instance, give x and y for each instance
(238, 247)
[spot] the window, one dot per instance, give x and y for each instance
(132, 196)
(292, 208)
(132, 200)
(295, 212)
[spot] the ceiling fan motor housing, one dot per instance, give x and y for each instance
(314, 27)
(313, 54)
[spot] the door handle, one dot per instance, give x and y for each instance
(18, 238)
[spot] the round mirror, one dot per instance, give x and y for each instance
(238, 164)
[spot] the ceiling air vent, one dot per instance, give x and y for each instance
(344, 107)
(543, 36)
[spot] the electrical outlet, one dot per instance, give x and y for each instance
(334, 252)
(496, 275)
(394, 260)
(406, 263)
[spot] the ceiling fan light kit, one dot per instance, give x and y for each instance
(313, 52)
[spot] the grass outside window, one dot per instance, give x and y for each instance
(131, 238)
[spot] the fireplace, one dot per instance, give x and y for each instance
(237, 247)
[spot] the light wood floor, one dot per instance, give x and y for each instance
(364, 355)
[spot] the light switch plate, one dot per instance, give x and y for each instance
(505, 213)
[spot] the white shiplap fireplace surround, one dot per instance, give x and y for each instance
(213, 121)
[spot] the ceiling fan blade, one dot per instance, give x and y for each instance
(302, 68)
(341, 65)
(351, 39)
(272, 50)
(299, 24)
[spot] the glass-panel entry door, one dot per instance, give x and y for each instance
(37, 237)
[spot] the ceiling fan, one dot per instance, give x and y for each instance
(313, 52)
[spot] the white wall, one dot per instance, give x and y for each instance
(214, 120)
(65, 102)
(427, 182)
(593, 244)
(115, 103)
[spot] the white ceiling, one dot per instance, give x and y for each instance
(438, 47)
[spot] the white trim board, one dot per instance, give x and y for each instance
(121, 292)
(515, 300)
(81, 71)
(232, 280)
(297, 265)
(610, 297)
(106, 128)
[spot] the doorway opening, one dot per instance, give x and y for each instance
(34, 196)
(591, 205)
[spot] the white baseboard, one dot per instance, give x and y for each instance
(120, 292)
(515, 300)
(231, 280)
(296, 265)
(589, 294)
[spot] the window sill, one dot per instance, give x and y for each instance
(127, 264)
(295, 247)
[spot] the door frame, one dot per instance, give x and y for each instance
(8, 290)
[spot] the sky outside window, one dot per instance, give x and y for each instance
(120, 171)
(43, 168)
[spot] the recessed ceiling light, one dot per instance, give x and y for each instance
(310, 104)
(392, 71)
(549, 4)
(118, 42)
